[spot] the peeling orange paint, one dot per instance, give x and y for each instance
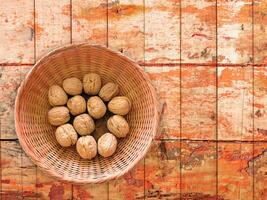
(66, 10)
(205, 14)
(122, 10)
(188, 99)
(91, 14)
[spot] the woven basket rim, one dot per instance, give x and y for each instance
(52, 173)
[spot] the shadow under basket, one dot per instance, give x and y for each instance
(36, 135)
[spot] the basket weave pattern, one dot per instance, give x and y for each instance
(36, 135)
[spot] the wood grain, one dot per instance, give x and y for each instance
(89, 24)
(198, 102)
(28, 177)
(126, 27)
(17, 31)
(130, 186)
(11, 179)
(162, 171)
(260, 103)
(52, 25)
(90, 191)
(198, 170)
(166, 81)
(149, 32)
(234, 179)
(260, 40)
(234, 27)
(49, 188)
(9, 82)
(198, 31)
(257, 166)
(18, 173)
(235, 103)
(89, 21)
(162, 42)
(126, 34)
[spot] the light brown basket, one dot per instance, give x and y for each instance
(36, 135)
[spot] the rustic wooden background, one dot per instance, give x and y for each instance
(207, 60)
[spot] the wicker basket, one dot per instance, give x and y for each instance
(36, 135)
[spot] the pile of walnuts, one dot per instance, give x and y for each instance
(78, 107)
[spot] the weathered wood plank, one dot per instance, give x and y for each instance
(89, 24)
(28, 177)
(198, 172)
(52, 25)
(89, 21)
(260, 103)
(166, 81)
(130, 186)
(10, 79)
(234, 27)
(162, 31)
(11, 179)
(18, 172)
(198, 102)
(52, 30)
(235, 103)
(198, 31)
(162, 171)
(259, 163)
(50, 188)
(126, 27)
(29, 170)
(9, 82)
(93, 191)
(234, 180)
(17, 31)
(126, 34)
(260, 24)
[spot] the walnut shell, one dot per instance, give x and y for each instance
(107, 145)
(118, 126)
(91, 83)
(108, 91)
(57, 96)
(120, 105)
(58, 115)
(86, 147)
(96, 107)
(72, 86)
(84, 124)
(66, 135)
(76, 105)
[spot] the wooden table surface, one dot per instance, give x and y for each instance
(207, 60)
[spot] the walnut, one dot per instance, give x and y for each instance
(57, 96)
(108, 91)
(96, 107)
(107, 145)
(120, 105)
(118, 126)
(72, 86)
(76, 105)
(86, 147)
(66, 135)
(91, 83)
(58, 115)
(84, 124)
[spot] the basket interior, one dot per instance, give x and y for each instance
(37, 135)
